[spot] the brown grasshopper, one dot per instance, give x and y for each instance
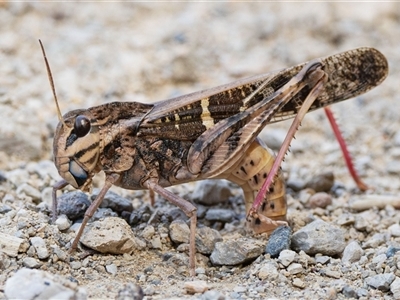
(207, 134)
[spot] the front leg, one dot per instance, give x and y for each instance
(110, 180)
(188, 208)
(57, 186)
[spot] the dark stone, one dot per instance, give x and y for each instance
(278, 241)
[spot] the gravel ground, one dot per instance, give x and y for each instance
(152, 51)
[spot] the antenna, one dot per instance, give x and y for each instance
(50, 76)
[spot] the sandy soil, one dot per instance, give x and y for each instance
(152, 51)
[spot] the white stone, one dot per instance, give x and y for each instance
(36, 284)
(196, 286)
(268, 271)
(352, 253)
(286, 257)
(110, 235)
(40, 246)
(295, 269)
(63, 223)
(394, 230)
(112, 269)
(395, 288)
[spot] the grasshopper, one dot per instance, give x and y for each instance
(206, 134)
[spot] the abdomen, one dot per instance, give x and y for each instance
(250, 173)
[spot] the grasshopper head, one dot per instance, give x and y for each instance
(76, 142)
(76, 148)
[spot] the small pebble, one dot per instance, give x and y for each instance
(5, 208)
(3, 177)
(18, 177)
(396, 138)
(345, 219)
(361, 223)
(381, 282)
(112, 269)
(110, 235)
(322, 259)
(394, 230)
(10, 244)
(395, 288)
(322, 182)
(220, 215)
(332, 273)
(393, 167)
(44, 208)
(156, 242)
(379, 259)
(206, 238)
(196, 286)
(31, 263)
(319, 237)
(22, 213)
(391, 251)
(294, 269)
(24, 246)
(179, 232)
(361, 292)
(295, 184)
(148, 232)
(278, 241)
(29, 191)
(286, 257)
(200, 271)
(63, 223)
(40, 247)
(211, 192)
(46, 196)
(305, 195)
(212, 295)
(240, 289)
(134, 218)
(376, 240)
(113, 201)
(320, 199)
(46, 168)
(269, 270)
(36, 284)
(349, 292)
(73, 204)
(149, 290)
(234, 252)
(177, 213)
(62, 255)
(31, 251)
(297, 282)
(5, 261)
(130, 291)
(102, 213)
(75, 265)
(352, 253)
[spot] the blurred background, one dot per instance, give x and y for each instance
(102, 52)
(152, 51)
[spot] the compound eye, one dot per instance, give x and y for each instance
(81, 126)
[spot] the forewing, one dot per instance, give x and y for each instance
(350, 74)
(188, 116)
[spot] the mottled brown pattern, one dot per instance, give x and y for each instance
(170, 137)
(208, 134)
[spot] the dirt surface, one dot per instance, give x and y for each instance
(152, 51)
